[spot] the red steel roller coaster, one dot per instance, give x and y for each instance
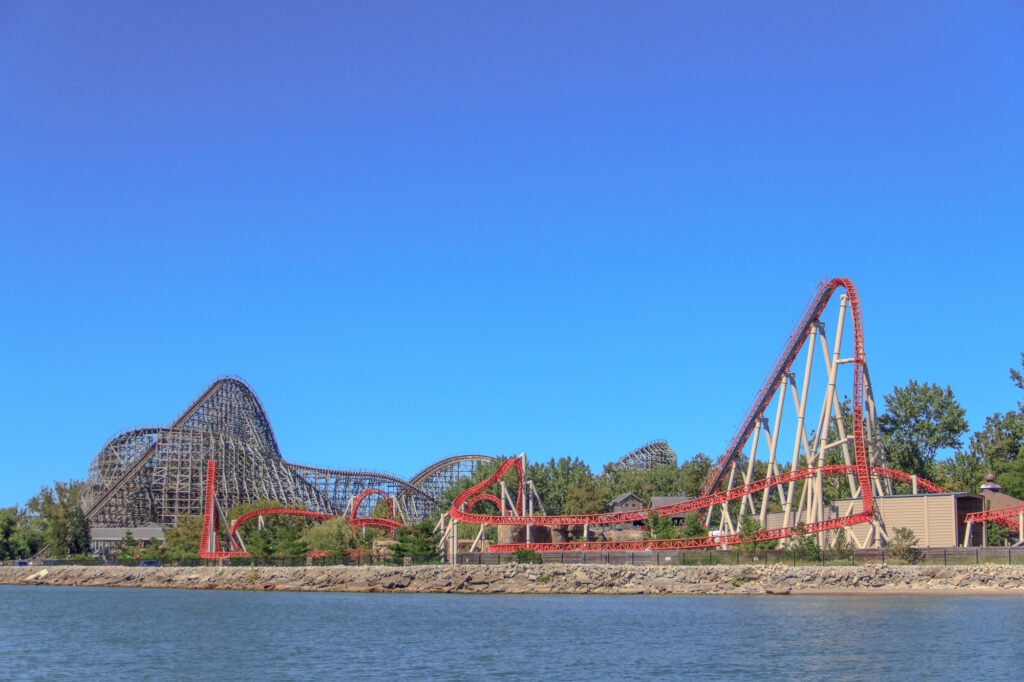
(824, 451)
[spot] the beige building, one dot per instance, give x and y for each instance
(933, 518)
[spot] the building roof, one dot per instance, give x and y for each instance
(658, 501)
(896, 497)
(998, 500)
(622, 498)
(149, 532)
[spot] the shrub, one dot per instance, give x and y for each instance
(998, 535)
(418, 543)
(748, 530)
(842, 548)
(694, 527)
(803, 547)
(527, 556)
(902, 543)
(660, 527)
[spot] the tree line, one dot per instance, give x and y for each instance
(51, 519)
(923, 419)
(279, 536)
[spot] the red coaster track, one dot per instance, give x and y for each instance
(276, 511)
(1008, 517)
(209, 524)
(389, 524)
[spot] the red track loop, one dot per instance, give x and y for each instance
(358, 500)
(389, 524)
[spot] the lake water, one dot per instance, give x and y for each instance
(104, 633)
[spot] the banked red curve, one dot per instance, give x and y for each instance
(708, 501)
(275, 511)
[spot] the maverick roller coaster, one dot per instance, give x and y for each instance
(803, 407)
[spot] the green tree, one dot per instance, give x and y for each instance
(417, 542)
(65, 528)
(999, 535)
(333, 535)
(527, 556)
(21, 534)
(281, 534)
(693, 527)
(964, 472)
(129, 550)
(11, 542)
(1000, 443)
(586, 497)
(181, 541)
(694, 475)
(802, 546)
(660, 527)
(747, 530)
(920, 420)
(842, 548)
(556, 478)
(1016, 377)
(380, 510)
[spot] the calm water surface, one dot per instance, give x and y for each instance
(104, 633)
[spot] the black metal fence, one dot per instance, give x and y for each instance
(237, 561)
(950, 557)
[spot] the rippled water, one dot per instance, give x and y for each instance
(76, 632)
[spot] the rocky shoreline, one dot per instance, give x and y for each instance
(544, 579)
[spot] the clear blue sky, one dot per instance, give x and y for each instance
(418, 229)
